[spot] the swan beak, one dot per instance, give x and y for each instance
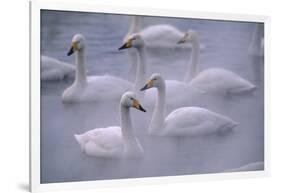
(72, 48)
(183, 39)
(137, 105)
(147, 86)
(126, 45)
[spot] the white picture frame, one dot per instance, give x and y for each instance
(36, 6)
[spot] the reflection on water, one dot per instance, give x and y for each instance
(226, 46)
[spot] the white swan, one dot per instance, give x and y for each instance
(114, 142)
(160, 36)
(216, 80)
(53, 69)
(248, 167)
(156, 36)
(185, 94)
(91, 88)
(185, 121)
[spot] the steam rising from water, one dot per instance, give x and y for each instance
(226, 47)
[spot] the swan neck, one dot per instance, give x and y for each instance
(80, 77)
(141, 70)
(136, 25)
(192, 68)
(157, 120)
(126, 124)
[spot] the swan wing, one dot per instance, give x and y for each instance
(176, 94)
(221, 80)
(195, 121)
(104, 142)
(50, 63)
(51, 74)
(106, 87)
(53, 69)
(160, 33)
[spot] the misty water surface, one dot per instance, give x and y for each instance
(225, 45)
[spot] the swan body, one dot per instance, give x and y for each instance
(194, 121)
(53, 69)
(96, 88)
(155, 37)
(114, 142)
(173, 86)
(91, 88)
(185, 121)
(221, 80)
(214, 79)
(161, 35)
(248, 167)
(186, 95)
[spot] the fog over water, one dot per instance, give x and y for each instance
(225, 45)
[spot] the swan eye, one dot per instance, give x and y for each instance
(131, 98)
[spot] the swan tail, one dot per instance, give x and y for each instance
(252, 88)
(228, 127)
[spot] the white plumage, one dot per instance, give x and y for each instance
(185, 95)
(194, 121)
(185, 121)
(216, 80)
(53, 69)
(114, 141)
(97, 88)
(161, 35)
(222, 81)
(92, 88)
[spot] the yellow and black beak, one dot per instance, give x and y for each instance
(148, 85)
(72, 48)
(137, 105)
(126, 45)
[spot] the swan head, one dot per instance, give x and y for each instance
(155, 80)
(188, 36)
(77, 43)
(129, 100)
(133, 41)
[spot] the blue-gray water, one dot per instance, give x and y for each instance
(226, 46)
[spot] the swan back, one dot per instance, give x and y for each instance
(161, 34)
(101, 142)
(98, 88)
(194, 121)
(53, 69)
(221, 80)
